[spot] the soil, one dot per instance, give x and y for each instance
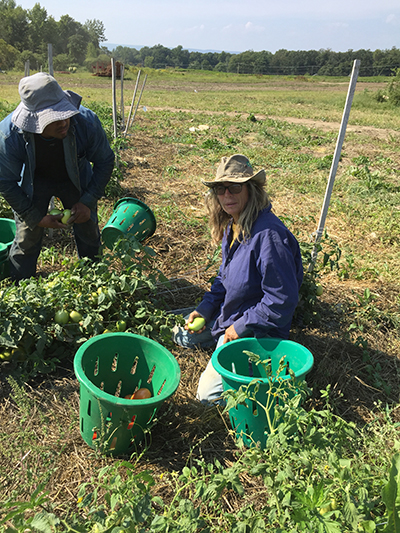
(185, 428)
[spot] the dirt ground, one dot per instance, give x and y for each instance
(186, 429)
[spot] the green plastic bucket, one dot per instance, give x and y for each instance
(249, 420)
(4, 264)
(111, 366)
(7, 231)
(7, 234)
(130, 217)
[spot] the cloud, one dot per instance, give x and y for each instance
(194, 29)
(242, 29)
(253, 28)
(392, 19)
(338, 25)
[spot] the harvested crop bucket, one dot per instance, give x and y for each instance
(114, 365)
(130, 217)
(7, 234)
(250, 421)
(7, 231)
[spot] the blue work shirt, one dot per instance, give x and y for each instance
(257, 286)
(89, 161)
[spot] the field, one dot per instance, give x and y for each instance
(329, 472)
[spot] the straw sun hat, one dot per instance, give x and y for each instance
(236, 169)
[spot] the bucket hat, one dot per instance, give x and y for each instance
(43, 102)
(236, 169)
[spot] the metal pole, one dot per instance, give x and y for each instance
(133, 100)
(51, 72)
(114, 98)
(335, 162)
(122, 96)
(140, 96)
(50, 58)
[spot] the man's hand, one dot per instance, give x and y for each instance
(230, 334)
(80, 213)
(52, 221)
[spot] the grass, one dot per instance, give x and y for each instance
(328, 467)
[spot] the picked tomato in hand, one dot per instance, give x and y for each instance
(140, 394)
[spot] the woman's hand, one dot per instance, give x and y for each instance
(230, 334)
(192, 316)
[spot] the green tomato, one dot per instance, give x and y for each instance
(66, 216)
(121, 325)
(6, 355)
(197, 324)
(75, 316)
(61, 317)
(319, 290)
(55, 211)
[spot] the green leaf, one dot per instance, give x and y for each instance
(45, 522)
(329, 526)
(391, 497)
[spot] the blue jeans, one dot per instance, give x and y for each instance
(27, 243)
(210, 388)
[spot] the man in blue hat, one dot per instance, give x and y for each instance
(52, 146)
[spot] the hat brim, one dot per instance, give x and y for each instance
(36, 121)
(259, 177)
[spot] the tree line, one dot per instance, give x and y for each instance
(282, 62)
(26, 33)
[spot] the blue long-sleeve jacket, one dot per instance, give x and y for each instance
(89, 161)
(257, 286)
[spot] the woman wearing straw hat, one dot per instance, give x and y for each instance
(52, 146)
(256, 290)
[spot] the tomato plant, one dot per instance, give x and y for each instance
(48, 319)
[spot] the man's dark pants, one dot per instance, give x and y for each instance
(27, 244)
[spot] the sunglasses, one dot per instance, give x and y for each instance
(236, 188)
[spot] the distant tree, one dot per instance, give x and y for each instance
(149, 61)
(37, 28)
(223, 57)
(195, 57)
(14, 25)
(261, 62)
(36, 61)
(205, 65)
(195, 65)
(180, 57)
(221, 66)
(8, 55)
(77, 46)
(144, 52)
(67, 28)
(96, 31)
(127, 55)
(61, 62)
(91, 51)
(243, 63)
(162, 57)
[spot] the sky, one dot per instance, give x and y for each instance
(239, 25)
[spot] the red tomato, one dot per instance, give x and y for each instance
(140, 394)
